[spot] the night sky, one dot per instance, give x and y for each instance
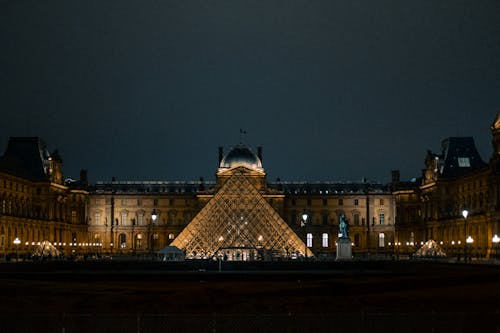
(332, 90)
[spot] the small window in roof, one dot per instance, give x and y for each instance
(463, 162)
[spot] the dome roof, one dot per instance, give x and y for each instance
(241, 155)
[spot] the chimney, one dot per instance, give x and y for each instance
(221, 153)
(259, 153)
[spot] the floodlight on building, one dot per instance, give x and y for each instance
(465, 213)
(304, 217)
(495, 239)
(470, 240)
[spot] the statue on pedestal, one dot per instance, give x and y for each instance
(343, 227)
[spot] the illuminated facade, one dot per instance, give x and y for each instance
(242, 216)
(454, 180)
(204, 218)
(36, 204)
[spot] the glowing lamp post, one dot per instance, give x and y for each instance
(495, 241)
(16, 243)
(465, 213)
(154, 216)
(303, 224)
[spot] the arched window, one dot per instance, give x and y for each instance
(324, 240)
(122, 239)
(381, 239)
(138, 241)
(356, 219)
(309, 240)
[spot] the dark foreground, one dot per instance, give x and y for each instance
(267, 297)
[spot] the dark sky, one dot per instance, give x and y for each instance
(333, 90)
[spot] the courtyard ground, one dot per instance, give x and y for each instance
(383, 296)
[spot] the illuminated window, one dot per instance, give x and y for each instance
(138, 241)
(381, 218)
(324, 240)
(309, 240)
(463, 162)
(381, 239)
(97, 218)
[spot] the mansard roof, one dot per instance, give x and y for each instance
(192, 187)
(459, 157)
(328, 188)
(26, 157)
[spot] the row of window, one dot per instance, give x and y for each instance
(356, 219)
(325, 243)
(340, 202)
(139, 202)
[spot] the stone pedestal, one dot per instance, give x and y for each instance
(344, 249)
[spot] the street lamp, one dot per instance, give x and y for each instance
(154, 216)
(495, 241)
(303, 223)
(465, 213)
(17, 241)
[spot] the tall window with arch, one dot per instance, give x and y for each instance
(309, 240)
(324, 240)
(356, 219)
(381, 239)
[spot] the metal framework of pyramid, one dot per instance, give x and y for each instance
(238, 223)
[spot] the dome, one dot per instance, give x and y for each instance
(241, 155)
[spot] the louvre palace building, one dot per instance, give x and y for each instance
(243, 216)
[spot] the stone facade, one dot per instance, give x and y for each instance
(36, 204)
(117, 216)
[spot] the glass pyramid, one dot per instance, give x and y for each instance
(238, 223)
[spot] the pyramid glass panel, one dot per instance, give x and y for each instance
(239, 224)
